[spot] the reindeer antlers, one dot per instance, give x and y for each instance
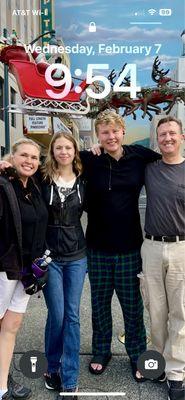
(111, 77)
(158, 74)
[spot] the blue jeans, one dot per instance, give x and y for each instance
(62, 335)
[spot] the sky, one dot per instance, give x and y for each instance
(127, 31)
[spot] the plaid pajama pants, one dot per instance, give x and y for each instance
(106, 273)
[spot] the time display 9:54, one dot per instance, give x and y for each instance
(91, 78)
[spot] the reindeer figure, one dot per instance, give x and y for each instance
(148, 99)
(142, 102)
(158, 75)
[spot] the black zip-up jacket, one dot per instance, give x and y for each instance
(10, 231)
(112, 193)
(23, 221)
(65, 237)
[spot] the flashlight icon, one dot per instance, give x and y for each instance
(33, 361)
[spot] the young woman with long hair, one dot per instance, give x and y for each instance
(63, 192)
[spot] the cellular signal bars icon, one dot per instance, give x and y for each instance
(152, 11)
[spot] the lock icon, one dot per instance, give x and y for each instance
(92, 27)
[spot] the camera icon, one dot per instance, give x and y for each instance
(151, 364)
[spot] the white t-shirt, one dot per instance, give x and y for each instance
(64, 188)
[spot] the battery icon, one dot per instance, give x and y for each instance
(165, 12)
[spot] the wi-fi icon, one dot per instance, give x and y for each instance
(152, 11)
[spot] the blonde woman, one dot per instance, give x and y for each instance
(63, 192)
(23, 221)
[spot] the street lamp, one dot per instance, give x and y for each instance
(183, 40)
(53, 48)
(52, 33)
(53, 41)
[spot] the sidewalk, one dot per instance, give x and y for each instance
(116, 378)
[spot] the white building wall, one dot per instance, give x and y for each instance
(179, 75)
(178, 109)
(27, 28)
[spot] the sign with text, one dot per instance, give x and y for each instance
(46, 19)
(37, 124)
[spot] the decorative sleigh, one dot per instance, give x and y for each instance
(32, 85)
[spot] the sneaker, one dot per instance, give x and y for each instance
(62, 396)
(161, 379)
(18, 391)
(53, 381)
(7, 396)
(176, 390)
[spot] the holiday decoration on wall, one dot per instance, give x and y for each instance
(166, 93)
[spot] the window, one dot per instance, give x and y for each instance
(8, 12)
(13, 101)
(2, 151)
(1, 99)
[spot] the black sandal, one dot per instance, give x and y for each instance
(103, 360)
(160, 379)
(134, 371)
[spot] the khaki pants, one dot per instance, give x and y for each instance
(163, 290)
